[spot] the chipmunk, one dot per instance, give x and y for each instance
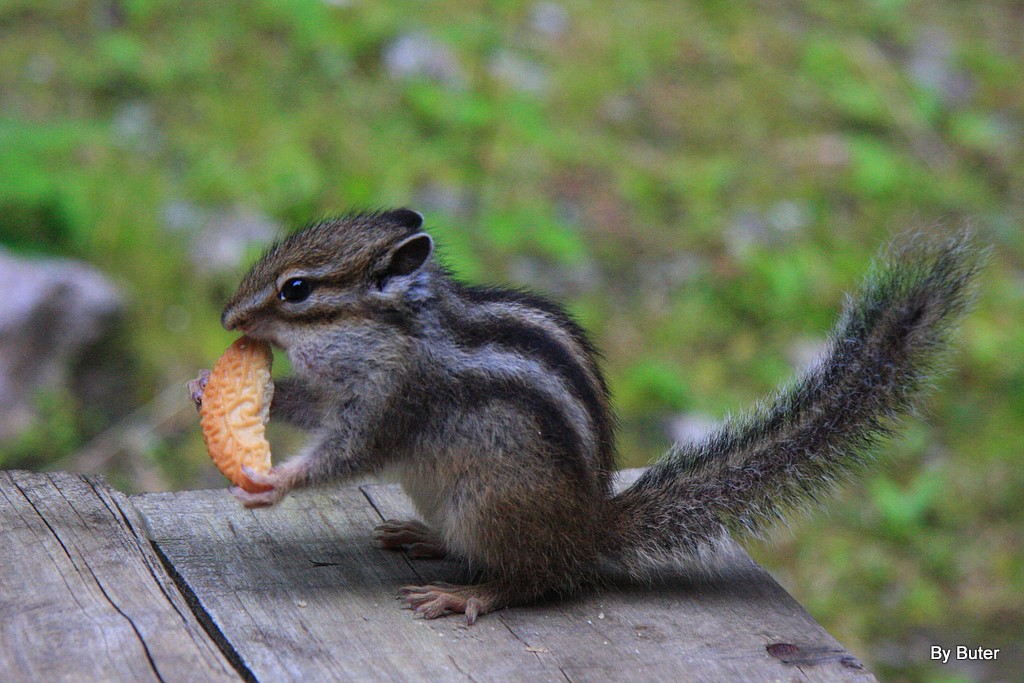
(489, 406)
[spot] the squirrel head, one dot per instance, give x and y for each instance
(348, 267)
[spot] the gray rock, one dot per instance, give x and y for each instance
(53, 309)
(806, 353)
(224, 242)
(690, 427)
(618, 108)
(789, 215)
(519, 72)
(561, 281)
(439, 198)
(932, 64)
(416, 55)
(134, 127)
(41, 68)
(775, 225)
(549, 19)
(220, 238)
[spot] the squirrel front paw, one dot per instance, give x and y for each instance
(197, 386)
(278, 480)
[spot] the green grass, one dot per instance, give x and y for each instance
(700, 183)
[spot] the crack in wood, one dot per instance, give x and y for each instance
(53, 533)
(204, 618)
(459, 669)
(139, 539)
(131, 622)
(96, 579)
(405, 556)
(526, 644)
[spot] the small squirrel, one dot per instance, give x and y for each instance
(489, 406)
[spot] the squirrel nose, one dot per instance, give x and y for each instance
(233, 319)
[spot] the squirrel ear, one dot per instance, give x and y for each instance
(410, 254)
(406, 218)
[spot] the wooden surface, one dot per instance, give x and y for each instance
(83, 596)
(301, 592)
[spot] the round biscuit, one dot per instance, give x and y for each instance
(235, 409)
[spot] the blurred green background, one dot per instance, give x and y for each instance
(699, 182)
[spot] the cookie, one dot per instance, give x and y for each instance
(234, 411)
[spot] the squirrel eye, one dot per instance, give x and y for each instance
(296, 290)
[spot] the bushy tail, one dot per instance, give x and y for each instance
(815, 432)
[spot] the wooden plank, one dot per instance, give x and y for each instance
(301, 592)
(713, 626)
(83, 596)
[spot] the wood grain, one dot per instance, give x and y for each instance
(83, 596)
(685, 626)
(301, 592)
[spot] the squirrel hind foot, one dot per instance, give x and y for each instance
(437, 600)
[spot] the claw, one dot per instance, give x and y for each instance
(262, 499)
(473, 608)
(275, 480)
(268, 478)
(197, 386)
(436, 600)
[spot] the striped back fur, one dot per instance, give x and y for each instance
(518, 325)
